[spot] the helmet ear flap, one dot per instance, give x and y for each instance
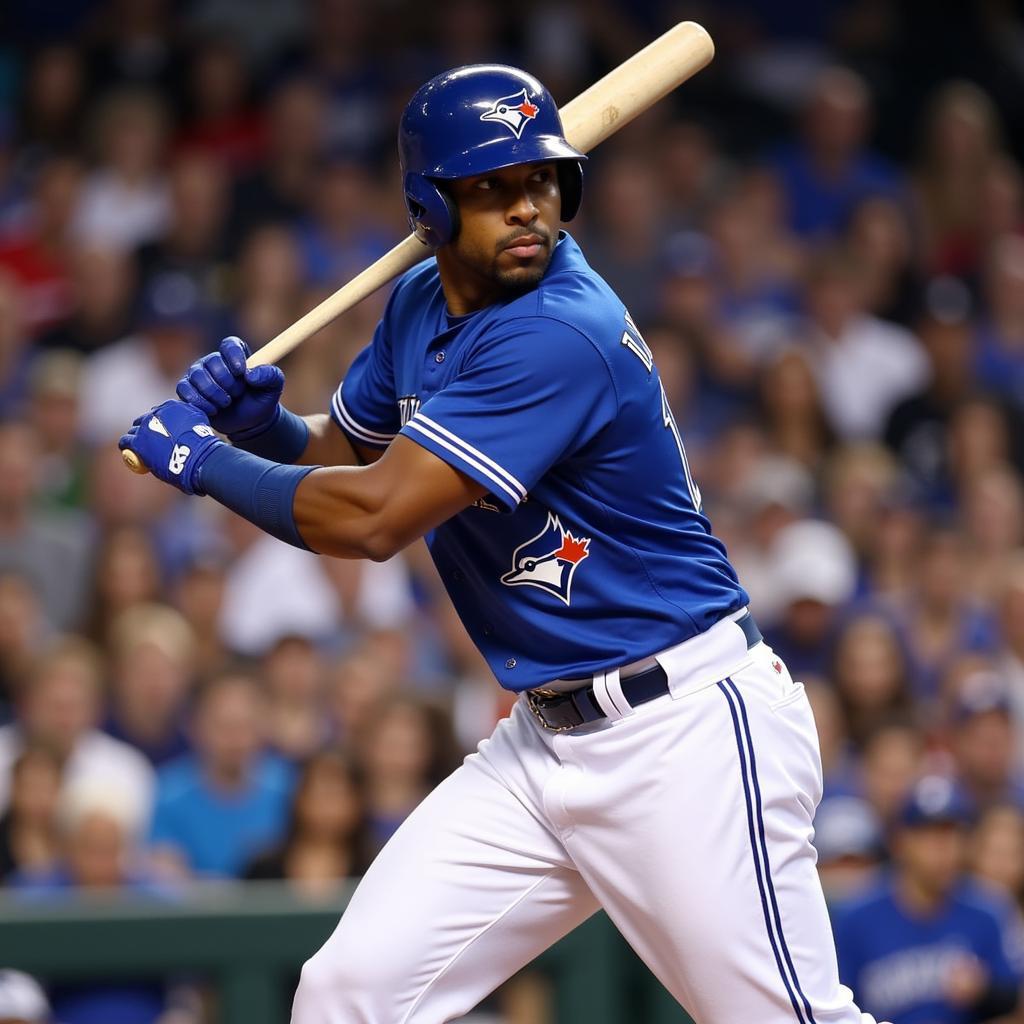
(433, 216)
(570, 184)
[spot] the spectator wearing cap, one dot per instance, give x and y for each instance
(53, 412)
(850, 845)
(22, 1000)
(982, 742)
(100, 825)
(815, 575)
(925, 945)
(48, 547)
(142, 369)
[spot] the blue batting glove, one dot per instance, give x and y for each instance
(239, 402)
(173, 440)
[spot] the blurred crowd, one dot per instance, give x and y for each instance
(822, 240)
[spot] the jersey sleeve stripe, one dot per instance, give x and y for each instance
(465, 457)
(346, 421)
(503, 473)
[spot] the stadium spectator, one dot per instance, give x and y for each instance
(850, 843)
(405, 750)
(864, 365)
(879, 237)
(295, 675)
(961, 145)
(791, 410)
(829, 169)
(218, 806)
(276, 191)
(100, 828)
(47, 546)
(999, 342)
(925, 944)
(59, 707)
(24, 633)
(221, 119)
(870, 674)
(125, 200)
(326, 840)
(22, 999)
(144, 366)
(103, 285)
(151, 647)
(916, 431)
(194, 243)
(815, 575)
(16, 352)
(996, 854)
(52, 411)
(35, 252)
(982, 744)
(28, 828)
(890, 760)
(125, 573)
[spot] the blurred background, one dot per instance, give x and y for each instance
(821, 237)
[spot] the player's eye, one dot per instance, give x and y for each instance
(487, 184)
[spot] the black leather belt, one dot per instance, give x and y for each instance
(561, 711)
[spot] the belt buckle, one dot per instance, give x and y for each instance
(531, 700)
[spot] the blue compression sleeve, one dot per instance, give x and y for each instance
(284, 440)
(258, 490)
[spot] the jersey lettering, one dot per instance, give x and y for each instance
(408, 406)
(634, 341)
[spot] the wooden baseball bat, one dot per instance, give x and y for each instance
(601, 110)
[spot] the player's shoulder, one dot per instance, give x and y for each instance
(414, 288)
(572, 299)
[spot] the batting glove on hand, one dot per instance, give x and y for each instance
(173, 440)
(241, 403)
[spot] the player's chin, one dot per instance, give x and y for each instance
(523, 274)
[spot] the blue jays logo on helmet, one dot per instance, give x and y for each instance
(514, 112)
(472, 120)
(549, 560)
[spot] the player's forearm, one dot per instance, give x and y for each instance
(343, 511)
(339, 514)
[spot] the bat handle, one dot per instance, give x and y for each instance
(133, 462)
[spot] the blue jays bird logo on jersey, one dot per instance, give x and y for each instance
(549, 560)
(513, 112)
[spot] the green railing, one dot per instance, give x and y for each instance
(250, 940)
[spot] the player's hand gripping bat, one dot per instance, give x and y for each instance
(596, 113)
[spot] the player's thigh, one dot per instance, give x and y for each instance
(707, 866)
(470, 889)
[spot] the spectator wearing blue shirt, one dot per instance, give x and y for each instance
(828, 172)
(219, 806)
(925, 946)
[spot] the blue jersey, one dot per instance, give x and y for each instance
(590, 549)
(898, 963)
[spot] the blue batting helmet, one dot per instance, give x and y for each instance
(472, 120)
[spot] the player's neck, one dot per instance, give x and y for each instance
(465, 291)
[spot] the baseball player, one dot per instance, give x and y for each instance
(660, 761)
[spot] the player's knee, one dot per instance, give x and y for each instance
(347, 983)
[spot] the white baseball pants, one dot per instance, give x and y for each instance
(688, 819)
